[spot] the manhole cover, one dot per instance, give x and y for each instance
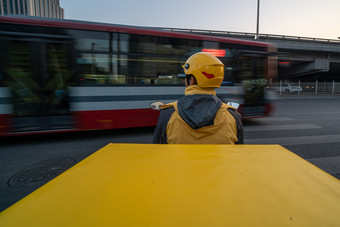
(41, 172)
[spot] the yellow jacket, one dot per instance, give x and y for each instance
(198, 118)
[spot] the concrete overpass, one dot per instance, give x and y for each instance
(300, 58)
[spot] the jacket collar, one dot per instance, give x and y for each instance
(195, 89)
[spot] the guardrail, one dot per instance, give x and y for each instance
(313, 87)
(248, 34)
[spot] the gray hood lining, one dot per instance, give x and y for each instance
(198, 110)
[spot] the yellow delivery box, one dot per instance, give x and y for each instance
(184, 185)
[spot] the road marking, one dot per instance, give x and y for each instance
(315, 113)
(274, 119)
(280, 127)
(306, 97)
(297, 140)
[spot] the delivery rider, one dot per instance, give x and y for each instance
(200, 117)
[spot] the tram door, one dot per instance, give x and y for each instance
(38, 72)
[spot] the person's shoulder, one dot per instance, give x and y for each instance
(229, 107)
(169, 105)
(232, 110)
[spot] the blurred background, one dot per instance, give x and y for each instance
(77, 75)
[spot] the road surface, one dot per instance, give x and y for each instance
(307, 126)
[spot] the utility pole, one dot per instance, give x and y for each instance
(258, 19)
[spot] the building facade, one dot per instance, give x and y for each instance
(39, 8)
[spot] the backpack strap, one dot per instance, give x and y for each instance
(238, 119)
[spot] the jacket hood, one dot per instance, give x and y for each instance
(198, 110)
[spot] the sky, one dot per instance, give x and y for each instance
(305, 18)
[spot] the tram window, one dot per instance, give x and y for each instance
(231, 74)
(21, 75)
(210, 45)
(243, 69)
(96, 68)
(92, 41)
(185, 47)
(252, 68)
(3, 56)
(158, 45)
(151, 70)
(30, 29)
(103, 69)
(1, 81)
(124, 42)
(21, 28)
(59, 75)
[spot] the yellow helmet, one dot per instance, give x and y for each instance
(206, 68)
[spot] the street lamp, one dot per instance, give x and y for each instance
(258, 19)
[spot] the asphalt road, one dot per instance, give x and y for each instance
(307, 126)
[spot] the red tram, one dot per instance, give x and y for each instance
(62, 75)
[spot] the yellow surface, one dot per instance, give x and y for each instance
(184, 185)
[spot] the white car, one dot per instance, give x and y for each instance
(288, 88)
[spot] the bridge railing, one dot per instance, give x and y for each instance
(306, 87)
(247, 34)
